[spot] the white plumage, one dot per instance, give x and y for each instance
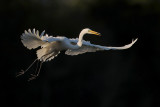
(51, 46)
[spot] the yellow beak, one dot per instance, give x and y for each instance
(94, 32)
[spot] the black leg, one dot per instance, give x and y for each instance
(22, 71)
(34, 76)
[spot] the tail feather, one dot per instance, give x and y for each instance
(41, 52)
(44, 56)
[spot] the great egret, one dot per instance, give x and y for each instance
(51, 46)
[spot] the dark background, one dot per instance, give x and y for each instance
(127, 78)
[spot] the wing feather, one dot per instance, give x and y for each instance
(88, 47)
(32, 39)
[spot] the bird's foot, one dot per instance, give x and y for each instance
(33, 77)
(20, 73)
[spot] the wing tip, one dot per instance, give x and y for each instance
(131, 44)
(134, 41)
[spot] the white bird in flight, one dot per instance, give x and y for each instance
(51, 46)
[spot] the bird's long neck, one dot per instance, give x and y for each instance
(80, 39)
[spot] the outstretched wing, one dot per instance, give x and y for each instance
(32, 39)
(88, 47)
